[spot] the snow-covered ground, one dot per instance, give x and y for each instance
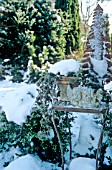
(82, 163)
(17, 99)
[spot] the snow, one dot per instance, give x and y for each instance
(64, 67)
(84, 97)
(33, 162)
(17, 100)
(99, 66)
(84, 125)
(82, 163)
(2, 8)
(9, 155)
(58, 18)
(30, 162)
(106, 6)
(85, 132)
(108, 86)
(108, 155)
(85, 137)
(98, 44)
(25, 162)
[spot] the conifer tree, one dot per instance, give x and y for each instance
(71, 7)
(31, 32)
(97, 50)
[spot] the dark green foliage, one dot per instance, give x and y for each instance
(31, 32)
(71, 8)
(37, 134)
(62, 4)
(107, 133)
(107, 24)
(48, 94)
(49, 32)
(34, 136)
(12, 36)
(107, 130)
(9, 133)
(111, 43)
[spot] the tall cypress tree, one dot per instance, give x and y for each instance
(71, 7)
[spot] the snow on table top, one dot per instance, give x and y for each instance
(64, 67)
(17, 100)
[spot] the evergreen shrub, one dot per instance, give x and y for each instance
(31, 34)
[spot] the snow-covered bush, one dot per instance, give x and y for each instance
(44, 130)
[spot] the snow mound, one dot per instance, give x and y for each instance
(88, 164)
(17, 102)
(12, 154)
(99, 66)
(27, 162)
(64, 67)
(88, 137)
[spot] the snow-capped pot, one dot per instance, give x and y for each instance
(68, 71)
